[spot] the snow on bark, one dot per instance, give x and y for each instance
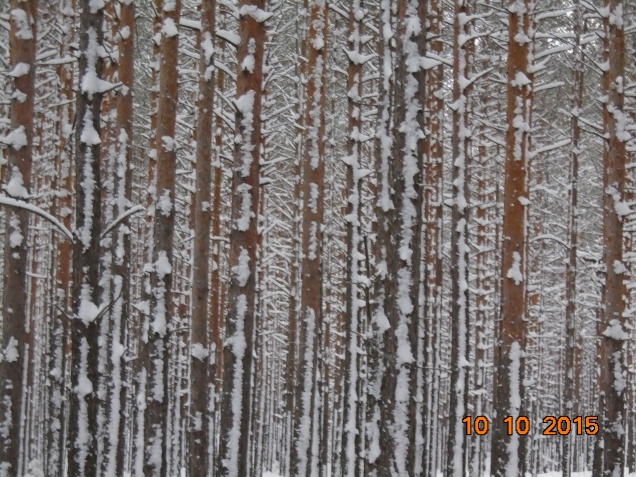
(402, 280)
(232, 459)
(508, 450)
(612, 353)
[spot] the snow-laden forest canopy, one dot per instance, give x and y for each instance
(317, 238)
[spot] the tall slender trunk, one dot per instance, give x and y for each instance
(121, 270)
(16, 332)
(84, 401)
(232, 459)
(571, 372)
(199, 432)
(351, 440)
(402, 253)
(508, 451)
(312, 225)
(613, 343)
(161, 279)
(457, 440)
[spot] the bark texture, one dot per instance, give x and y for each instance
(16, 328)
(613, 341)
(200, 370)
(233, 455)
(508, 451)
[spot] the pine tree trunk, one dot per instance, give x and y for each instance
(161, 279)
(508, 451)
(232, 459)
(84, 402)
(404, 224)
(613, 343)
(312, 225)
(16, 332)
(121, 288)
(200, 370)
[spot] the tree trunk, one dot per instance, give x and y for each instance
(613, 345)
(404, 225)
(232, 459)
(16, 332)
(161, 280)
(199, 432)
(313, 220)
(84, 401)
(508, 451)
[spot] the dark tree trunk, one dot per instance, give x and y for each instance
(16, 332)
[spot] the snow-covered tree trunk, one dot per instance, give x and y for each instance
(161, 277)
(233, 457)
(613, 342)
(403, 222)
(508, 451)
(311, 313)
(84, 401)
(16, 332)
(460, 328)
(199, 430)
(120, 292)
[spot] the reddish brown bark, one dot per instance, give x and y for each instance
(509, 450)
(312, 224)
(233, 457)
(161, 278)
(200, 369)
(16, 333)
(84, 402)
(613, 343)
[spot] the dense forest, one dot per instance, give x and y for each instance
(317, 238)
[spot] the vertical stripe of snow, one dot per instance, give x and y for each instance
(239, 345)
(408, 215)
(303, 443)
